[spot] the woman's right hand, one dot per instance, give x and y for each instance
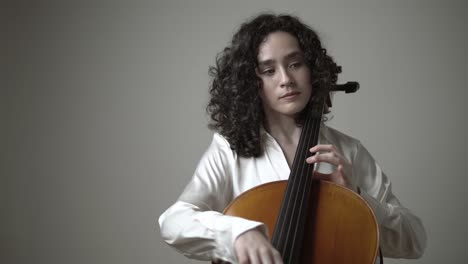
(252, 247)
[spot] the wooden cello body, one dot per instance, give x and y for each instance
(312, 221)
(341, 228)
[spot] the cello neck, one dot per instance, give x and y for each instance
(289, 229)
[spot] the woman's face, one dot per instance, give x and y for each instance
(286, 85)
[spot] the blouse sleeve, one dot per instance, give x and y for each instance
(402, 234)
(195, 225)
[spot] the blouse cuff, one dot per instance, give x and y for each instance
(225, 250)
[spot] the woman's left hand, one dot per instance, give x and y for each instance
(329, 154)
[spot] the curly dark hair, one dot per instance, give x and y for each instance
(235, 106)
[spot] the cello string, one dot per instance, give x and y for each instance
(297, 188)
(291, 210)
(290, 197)
(304, 190)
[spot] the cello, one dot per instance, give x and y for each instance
(312, 221)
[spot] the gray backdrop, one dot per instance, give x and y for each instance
(103, 116)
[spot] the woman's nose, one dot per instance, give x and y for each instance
(286, 79)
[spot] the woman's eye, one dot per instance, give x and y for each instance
(268, 72)
(295, 65)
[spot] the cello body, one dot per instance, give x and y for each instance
(340, 226)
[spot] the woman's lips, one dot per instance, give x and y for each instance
(289, 95)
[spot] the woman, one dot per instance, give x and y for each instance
(261, 85)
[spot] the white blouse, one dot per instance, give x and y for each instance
(196, 227)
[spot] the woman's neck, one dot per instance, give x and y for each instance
(286, 133)
(283, 129)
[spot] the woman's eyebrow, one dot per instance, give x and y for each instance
(292, 55)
